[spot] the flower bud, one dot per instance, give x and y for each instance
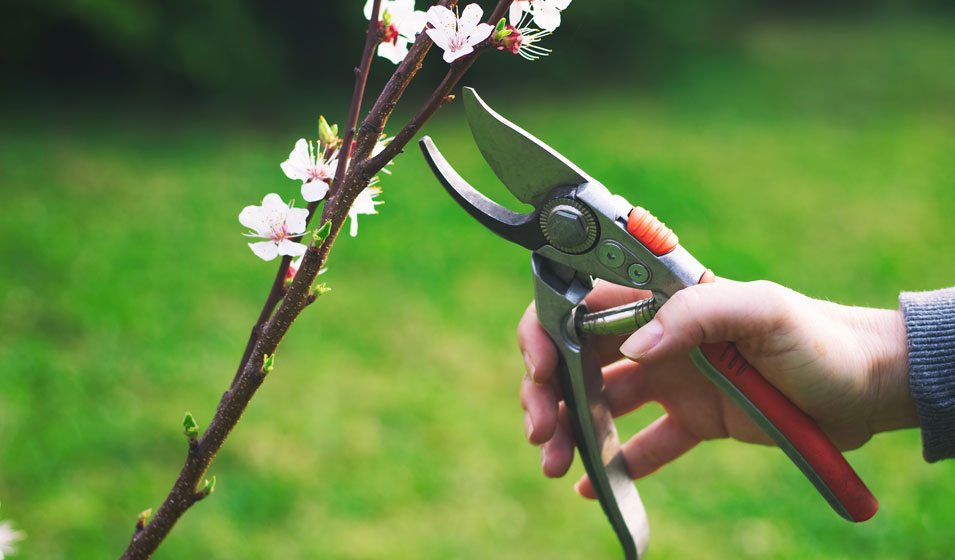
(328, 135)
(387, 29)
(507, 38)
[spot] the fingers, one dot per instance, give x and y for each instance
(714, 312)
(654, 446)
(629, 386)
(540, 410)
(558, 453)
(540, 356)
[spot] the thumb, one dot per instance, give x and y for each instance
(713, 312)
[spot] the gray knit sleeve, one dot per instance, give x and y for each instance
(930, 326)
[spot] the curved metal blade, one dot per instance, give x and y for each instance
(522, 229)
(529, 168)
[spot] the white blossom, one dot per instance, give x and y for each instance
(315, 169)
(456, 36)
(364, 204)
(277, 223)
(380, 145)
(8, 538)
(399, 22)
(546, 13)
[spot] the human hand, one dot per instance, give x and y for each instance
(846, 367)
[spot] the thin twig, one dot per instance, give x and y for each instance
(275, 294)
(374, 123)
(361, 78)
(434, 102)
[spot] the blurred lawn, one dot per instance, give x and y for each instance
(820, 157)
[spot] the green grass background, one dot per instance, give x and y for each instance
(821, 156)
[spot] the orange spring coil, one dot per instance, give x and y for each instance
(650, 231)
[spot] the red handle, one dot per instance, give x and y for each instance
(792, 430)
(799, 429)
(827, 468)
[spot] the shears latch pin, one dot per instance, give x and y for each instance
(617, 320)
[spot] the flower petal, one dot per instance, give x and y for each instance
(469, 19)
(442, 18)
(299, 161)
(291, 248)
(412, 24)
(369, 5)
(251, 217)
(394, 52)
(272, 202)
(482, 32)
(295, 220)
(515, 12)
(400, 9)
(265, 250)
(560, 4)
(546, 16)
(450, 56)
(365, 201)
(314, 191)
(439, 37)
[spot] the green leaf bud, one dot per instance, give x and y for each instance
(190, 427)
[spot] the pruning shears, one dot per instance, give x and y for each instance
(579, 232)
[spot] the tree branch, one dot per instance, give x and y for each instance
(271, 328)
(264, 340)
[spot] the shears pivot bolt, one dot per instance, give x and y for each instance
(569, 225)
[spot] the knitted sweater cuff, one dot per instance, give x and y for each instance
(930, 326)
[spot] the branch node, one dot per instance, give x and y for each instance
(142, 519)
(208, 487)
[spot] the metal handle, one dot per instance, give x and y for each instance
(557, 294)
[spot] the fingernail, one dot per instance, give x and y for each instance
(529, 365)
(642, 341)
(577, 486)
(528, 424)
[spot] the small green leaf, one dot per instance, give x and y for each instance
(322, 232)
(268, 363)
(316, 293)
(501, 24)
(208, 487)
(190, 427)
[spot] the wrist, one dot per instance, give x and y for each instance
(881, 335)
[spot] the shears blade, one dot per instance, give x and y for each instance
(529, 168)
